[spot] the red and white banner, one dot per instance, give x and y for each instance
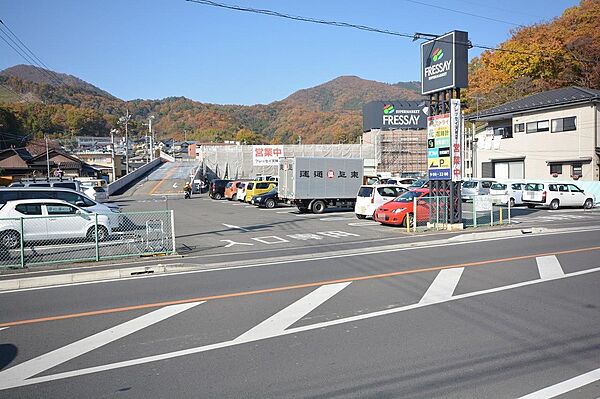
(456, 135)
(265, 155)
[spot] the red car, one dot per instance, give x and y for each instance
(395, 211)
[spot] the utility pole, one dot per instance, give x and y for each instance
(47, 156)
(151, 137)
(112, 140)
(125, 119)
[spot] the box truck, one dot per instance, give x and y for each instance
(315, 184)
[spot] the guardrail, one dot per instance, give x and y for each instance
(127, 179)
(167, 157)
(35, 240)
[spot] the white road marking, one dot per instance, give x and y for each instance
(264, 240)
(334, 218)
(280, 321)
(443, 286)
(289, 211)
(565, 386)
(231, 243)
(226, 344)
(365, 223)
(549, 267)
(18, 375)
(231, 226)
(3, 328)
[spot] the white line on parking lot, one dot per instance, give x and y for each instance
(3, 328)
(289, 211)
(231, 226)
(334, 218)
(366, 223)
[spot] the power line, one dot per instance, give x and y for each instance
(375, 30)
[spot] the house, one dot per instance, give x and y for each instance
(553, 134)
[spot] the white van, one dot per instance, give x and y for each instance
(555, 195)
(369, 198)
(473, 187)
(507, 193)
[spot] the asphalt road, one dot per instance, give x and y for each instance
(499, 318)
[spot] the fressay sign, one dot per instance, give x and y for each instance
(444, 62)
(390, 115)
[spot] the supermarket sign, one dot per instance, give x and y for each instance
(444, 145)
(266, 155)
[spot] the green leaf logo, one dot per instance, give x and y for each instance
(438, 53)
(388, 109)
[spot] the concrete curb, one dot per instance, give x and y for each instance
(498, 234)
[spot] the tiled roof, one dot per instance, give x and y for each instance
(552, 98)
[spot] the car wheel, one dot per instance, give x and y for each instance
(407, 219)
(217, 196)
(588, 204)
(102, 233)
(270, 203)
(512, 202)
(359, 216)
(10, 239)
(554, 205)
(234, 197)
(318, 206)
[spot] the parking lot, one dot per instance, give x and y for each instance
(222, 229)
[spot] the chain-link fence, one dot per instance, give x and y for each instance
(428, 213)
(33, 239)
(484, 210)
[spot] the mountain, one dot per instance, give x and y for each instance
(349, 93)
(51, 102)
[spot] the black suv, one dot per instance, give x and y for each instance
(267, 200)
(217, 188)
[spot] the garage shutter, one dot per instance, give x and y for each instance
(500, 170)
(516, 170)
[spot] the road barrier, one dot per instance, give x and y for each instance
(36, 240)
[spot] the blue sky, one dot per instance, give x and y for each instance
(159, 48)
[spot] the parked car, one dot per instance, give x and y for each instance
(369, 198)
(419, 183)
(97, 193)
(48, 220)
(267, 200)
(505, 193)
(217, 188)
(241, 192)
(71, 196)
(473, 187)
(401, 210)
(555, 195)
(401, 181)
(231, 190)
(258, 187)
(52, 182)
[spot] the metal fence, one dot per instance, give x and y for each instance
(483, 211)
(35, 240)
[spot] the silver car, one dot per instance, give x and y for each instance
(471, 188)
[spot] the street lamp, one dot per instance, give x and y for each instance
(112, 141)
(125, 119)
(150, 118)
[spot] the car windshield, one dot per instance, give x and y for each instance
(272, 191)
(418, 183)
(498, 186)
(470, 184)
(408, 196)
(534, 187)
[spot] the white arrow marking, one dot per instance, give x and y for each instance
(231, 226)
(17, 375)
(281, 320)
(3, 328)
(443, 286)
(175, 185)
(549, 267)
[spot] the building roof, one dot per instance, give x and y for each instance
(547, 99)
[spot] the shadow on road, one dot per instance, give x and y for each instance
(8, 353)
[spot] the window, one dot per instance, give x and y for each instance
(365, 191)
(29, 209)
(486, 184)
(519, 127)
(563, 124)
(563, 188)
(389, 191)
(262, 186)
(574, 189)
(553, 187)
(61, 209)
(535, 187)
(516, 186)
(8, 195)
(505, 132)
(72, 186)
(556, 168)
(540, 126)
(577, 170)
(74, 198)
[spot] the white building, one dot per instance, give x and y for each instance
(554, 134)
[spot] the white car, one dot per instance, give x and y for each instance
(48, 220)
(505, 193)
(555, 195)
(97, 193)
(369, 198)
(473, 187)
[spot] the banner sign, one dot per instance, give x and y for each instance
(456, 129)
(438, 147)
(266, 155)
(444, 62)
(389, 115)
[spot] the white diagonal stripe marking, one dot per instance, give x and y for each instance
(565, 386)
(15, 376)
(443, 286)
(281, 320)
(549, 267)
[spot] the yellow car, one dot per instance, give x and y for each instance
(258, 187)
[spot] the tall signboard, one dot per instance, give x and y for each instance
(444, 144)
(444, 62)
(389, 115)
(266, 155)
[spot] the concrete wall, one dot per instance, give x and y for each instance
(540, 148)
(128, 179)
